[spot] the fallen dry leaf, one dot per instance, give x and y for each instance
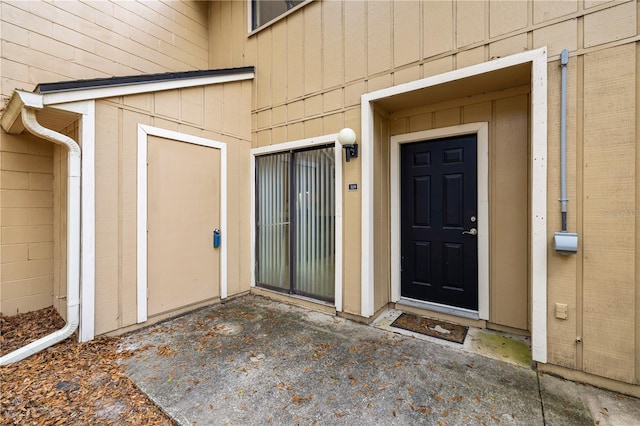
(69, 383)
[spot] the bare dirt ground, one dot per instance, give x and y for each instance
(69, 383)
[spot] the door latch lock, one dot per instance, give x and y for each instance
(472, 231)
(216, 238)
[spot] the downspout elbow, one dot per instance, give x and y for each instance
(73, 239)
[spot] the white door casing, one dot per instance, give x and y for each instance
(144, 131)
(482, 132)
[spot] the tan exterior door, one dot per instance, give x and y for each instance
(183, 199)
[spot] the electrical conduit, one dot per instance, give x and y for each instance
(73, 239)
(564, 60)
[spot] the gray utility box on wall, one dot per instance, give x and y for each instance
(566, 242)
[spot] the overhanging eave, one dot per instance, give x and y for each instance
(11, 120)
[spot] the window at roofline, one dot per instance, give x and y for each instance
(265, 11)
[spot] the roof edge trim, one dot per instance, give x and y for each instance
(95, 83)
(123, 88)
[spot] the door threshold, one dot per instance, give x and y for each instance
(295, 299)
(437, 307)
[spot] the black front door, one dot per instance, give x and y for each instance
(438, 221)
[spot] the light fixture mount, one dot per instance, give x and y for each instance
(347, 138)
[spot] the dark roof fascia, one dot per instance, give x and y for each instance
(95, 83)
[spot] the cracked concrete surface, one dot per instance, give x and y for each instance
(255, 361)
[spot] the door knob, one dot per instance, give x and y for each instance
(472, 231)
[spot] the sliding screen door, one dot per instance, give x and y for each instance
(295, 205)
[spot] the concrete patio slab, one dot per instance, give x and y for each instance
(255, 361)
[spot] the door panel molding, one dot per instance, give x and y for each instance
(481, 130)
(144, 131)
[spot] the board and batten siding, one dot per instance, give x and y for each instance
(313, 65)
(194, 111)
(44, 42)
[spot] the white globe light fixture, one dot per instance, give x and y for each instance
(347, 138)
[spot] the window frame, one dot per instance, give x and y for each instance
(251, 31)
(296, 146)
(295, 164)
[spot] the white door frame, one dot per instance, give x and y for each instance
(481, 130)
(295, 145)
(538, 232)
(144, 131)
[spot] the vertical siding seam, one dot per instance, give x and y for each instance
(322, 54)
(420, 41)
(343, 77)
(120, 207)
(392, 59)
(579, 353)
(365, 37)
(487, 23)
(492, 193)
(454, 26)
(637, 210)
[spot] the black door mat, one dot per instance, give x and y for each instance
(431, 327)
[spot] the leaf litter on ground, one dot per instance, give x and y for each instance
(69, 383)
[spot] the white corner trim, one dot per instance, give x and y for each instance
(143, 132)
(481, 130)
(539, 207)
(367, 251)
(88, 230)
(132, 89)
(252, 219)
(295, 145)
(538, 235)
(339, 225)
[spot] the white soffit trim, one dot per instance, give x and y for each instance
(143, 132)
(482, 131)
(132, 89)
(301, 144)
(87, 280)
(538, 235)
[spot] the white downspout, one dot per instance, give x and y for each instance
(73, 239)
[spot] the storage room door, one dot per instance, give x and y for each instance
(183, 201)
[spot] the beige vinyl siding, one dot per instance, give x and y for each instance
(26, 227)
(381, 215)
(507, 115)
(47, 42)
(599, 284)
(116, 183)
(609, 213)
